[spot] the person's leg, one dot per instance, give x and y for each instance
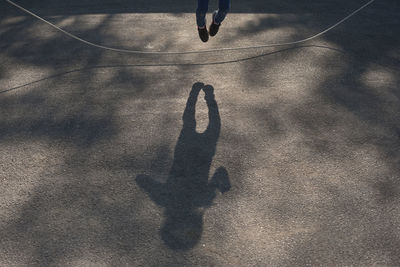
(223, 9)
(202, 8)
(218, 16)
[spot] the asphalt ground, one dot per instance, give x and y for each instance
(268, 157)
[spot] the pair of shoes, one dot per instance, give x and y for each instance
(214, 27)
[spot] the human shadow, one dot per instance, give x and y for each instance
(188, 190)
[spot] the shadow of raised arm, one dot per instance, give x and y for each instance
(156, 190)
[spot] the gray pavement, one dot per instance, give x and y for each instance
(274, 157)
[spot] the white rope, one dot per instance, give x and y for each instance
(191, 52)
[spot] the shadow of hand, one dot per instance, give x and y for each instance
(220, 180)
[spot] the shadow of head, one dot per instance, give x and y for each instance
(182, 230)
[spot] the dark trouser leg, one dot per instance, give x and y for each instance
(202, 8)
(223, 9)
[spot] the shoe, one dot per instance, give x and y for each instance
(214, 27)
(203, 34)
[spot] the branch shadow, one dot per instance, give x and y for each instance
(75, 7)
(222, 62)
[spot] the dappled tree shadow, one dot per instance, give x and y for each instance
(362, 89)
(76, 7)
